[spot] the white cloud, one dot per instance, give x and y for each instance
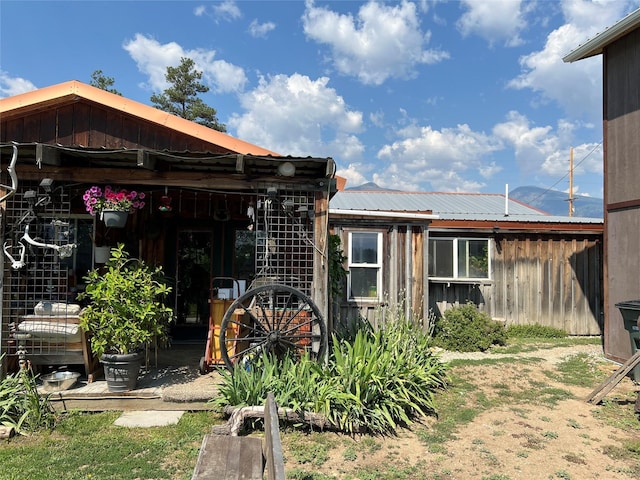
(295, 115)
(532, 145)
(495, 20)
(354, 174)
(260, 30)
(382, 42)
(153, 58)
(227, 11)
(10, 86)
(200, 10)
(541, 150)
(577, 87)
(438, 158)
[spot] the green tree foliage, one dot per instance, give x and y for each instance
(466, 329)
(181, 98)
(101, 81)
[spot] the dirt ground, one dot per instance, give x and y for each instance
(529, 440)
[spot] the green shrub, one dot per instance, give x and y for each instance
(466, 329)
(535, 331)
(372, 383)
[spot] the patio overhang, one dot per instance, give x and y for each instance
(229, 171)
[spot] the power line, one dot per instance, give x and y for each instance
(567, 174)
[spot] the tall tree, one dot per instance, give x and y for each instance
(181, 97)
(101, 81)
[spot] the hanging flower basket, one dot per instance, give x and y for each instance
(114, 218)
(113, 206)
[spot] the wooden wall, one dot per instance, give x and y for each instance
(621, 186)
(91, 125)
(553, 280)
(403, 278)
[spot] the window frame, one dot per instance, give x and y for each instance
(378, 265)
(456, 263)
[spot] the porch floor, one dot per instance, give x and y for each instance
(173, 383)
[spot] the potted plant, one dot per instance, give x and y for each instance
(125, 311)
(112, 206)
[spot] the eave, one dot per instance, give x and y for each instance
(597, 44)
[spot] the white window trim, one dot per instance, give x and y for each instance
(377, 265)
(455, 277)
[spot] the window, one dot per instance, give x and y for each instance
(365, 264)
(459, 258)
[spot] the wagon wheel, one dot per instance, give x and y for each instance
(275, 319)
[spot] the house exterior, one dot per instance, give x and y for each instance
(514, 262)
(619, 46)
(214, 205)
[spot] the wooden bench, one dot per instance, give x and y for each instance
(225, 457)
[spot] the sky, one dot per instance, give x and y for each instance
(426, 95)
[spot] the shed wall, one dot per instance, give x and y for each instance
(622, 186)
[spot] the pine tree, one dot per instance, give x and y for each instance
(181, 97)
(99, 80)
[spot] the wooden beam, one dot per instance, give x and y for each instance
(240, 163)
(192, 179)
(144, 161)
(47, 155)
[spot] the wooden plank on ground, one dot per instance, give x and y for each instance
(616, 377)
(229, 458)
(273, 443)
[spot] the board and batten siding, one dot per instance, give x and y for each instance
(404, 285)
(548, 280)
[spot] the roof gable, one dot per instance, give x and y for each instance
(73, 92)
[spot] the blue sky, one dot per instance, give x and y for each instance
(428, 95)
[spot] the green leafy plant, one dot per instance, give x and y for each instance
(337, 272)
(374, 382)
(535, 331)
(21, 406)
(126, 308)
(466, 329)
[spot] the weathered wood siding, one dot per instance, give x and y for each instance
(553, 280)
(547, 280)
(403, 277)
(622, 186)
(91, 125)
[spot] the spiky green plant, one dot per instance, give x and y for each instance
(21, 406)
(373, 382)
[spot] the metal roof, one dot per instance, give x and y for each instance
(450, 206)
(595, 45)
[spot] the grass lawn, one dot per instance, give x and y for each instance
(90, 446)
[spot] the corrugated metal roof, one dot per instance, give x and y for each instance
(450, 206)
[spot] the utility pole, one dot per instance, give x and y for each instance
(571, 182)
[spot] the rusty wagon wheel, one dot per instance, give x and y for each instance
(275, 319)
